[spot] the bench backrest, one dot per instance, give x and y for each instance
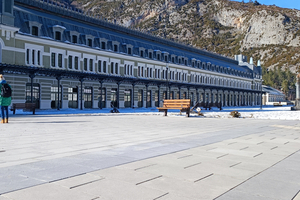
(24, 105)
(178, 103)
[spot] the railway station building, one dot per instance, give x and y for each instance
(59, 57)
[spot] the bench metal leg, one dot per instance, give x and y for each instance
(166, 112)
(187, 114)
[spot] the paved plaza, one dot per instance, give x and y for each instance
(148, 157)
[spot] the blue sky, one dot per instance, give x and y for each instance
(279, 3)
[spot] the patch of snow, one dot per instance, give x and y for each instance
(267, 112)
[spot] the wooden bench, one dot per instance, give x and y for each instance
(24, 106)
(183, 105)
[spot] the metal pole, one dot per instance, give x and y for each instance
(101, 94)
(31, 87)
(81, 93)
(118, 95)
(261, 98)
(133, 95)
(58, 91)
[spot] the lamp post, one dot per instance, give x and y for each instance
(168, 92)
(261, 100)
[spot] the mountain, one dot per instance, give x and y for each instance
(267, 33)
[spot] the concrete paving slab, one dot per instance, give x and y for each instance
(49, 192)
(169, 158)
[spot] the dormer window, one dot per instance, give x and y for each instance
(150, 53)
(129, 48)
(74, 36)
(58, 32)
(165, 56)
(115, 46)
(35, 28)
(142, 52)
(89, 40)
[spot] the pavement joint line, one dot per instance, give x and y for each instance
(286, 142)
(260, 143)
(144, 167)
(296, 195)
(236, 164)
(244, 148)
(223, 155)
(185, 156)
(203, 177)
(161, 196)
(192, 165)
(232, 143)
(212, 149)
(274, 147)
(149, 180)
(52, 181)
(257, 155)
(258, 174)
(86, 183)
(95, 198)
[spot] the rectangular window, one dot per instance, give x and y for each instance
(53, 61)
(70, 62)
(111, 67)
(60, 60)
(27, 56)
(129, 51)
(104, 66)
(103, 45)
(8, 6)
(33, 57)
(90, 42)
(85, 64)
(117, 68)
(35, 31)
(91, 65)
(74, 39)
(76, 63)
(115, 48)
(39, 57)
(150, 55)
(57, 35)
(99, 66)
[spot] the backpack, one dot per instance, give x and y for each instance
(5, 90)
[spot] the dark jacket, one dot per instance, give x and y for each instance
(4, 101)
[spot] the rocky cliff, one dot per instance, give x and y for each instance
(268, 33)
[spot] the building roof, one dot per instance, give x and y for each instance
(50, 15)
(270, 90)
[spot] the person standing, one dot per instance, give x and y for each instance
(5, 98)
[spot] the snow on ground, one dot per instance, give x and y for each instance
(267, 112)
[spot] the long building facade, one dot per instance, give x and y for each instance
(59, 57)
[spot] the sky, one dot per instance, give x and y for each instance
(280, 3)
